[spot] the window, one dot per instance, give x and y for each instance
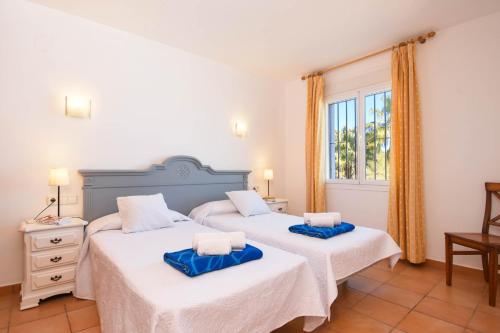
(359, 136)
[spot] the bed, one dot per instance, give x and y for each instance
(332, 260)
(136, 291)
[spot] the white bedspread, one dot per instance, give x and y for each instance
(137, 292)
(331, 259)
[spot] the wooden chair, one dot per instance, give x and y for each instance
(485, 244)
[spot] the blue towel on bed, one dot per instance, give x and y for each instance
(190, 263)
(321, 232)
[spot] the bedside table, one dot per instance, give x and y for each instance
(278, 205)
(50, 256)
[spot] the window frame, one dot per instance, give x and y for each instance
(359, 95)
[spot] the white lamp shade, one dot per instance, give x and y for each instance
(240, 129)
(268, 174)
(77, 107)
(58, 177)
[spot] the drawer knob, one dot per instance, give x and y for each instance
(55, 278)
(55, 259)
(280, 209)
(55, 240)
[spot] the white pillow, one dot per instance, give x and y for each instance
(248, 203)
(107, 222)
(177, 217)
(143, 212)
(212, 208)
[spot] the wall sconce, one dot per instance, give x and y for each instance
(240, 129)
(77, 107)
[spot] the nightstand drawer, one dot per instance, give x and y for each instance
(48, 240)
(53, 277)
(278, 207)
(53, 258)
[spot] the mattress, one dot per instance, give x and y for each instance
(137, 292)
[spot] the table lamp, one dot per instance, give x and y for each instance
(268, 175)
(58, 177)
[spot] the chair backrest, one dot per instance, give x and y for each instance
(492, 189)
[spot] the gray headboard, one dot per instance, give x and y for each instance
(183, 180)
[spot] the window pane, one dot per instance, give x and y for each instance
(342, 139)
(377, 135)
(370, 137)
(380, 162)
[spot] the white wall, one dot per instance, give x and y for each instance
(458, 74)
(150, 101)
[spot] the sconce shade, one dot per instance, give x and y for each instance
(77, 107)
(58, 177)
(240, 129)
(268, 174)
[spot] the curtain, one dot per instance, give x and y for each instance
(406, 206)
(315, 149)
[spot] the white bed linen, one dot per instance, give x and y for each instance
(137, 292)
(331, 259)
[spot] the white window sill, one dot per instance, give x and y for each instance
(332, 185)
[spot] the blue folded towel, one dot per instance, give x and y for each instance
(321, 232)
(190, 263)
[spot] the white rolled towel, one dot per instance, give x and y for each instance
(214, 247)
(237, 238)
(322, 219)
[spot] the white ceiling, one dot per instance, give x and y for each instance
(280, 38)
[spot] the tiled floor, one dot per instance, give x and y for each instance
(412, 299)
(408, 299)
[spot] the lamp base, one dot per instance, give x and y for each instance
(269, 198)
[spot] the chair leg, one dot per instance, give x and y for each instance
(449, 259)
(486, 272)
(493, 268)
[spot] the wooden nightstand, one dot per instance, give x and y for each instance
(278, 205)
(50, 256)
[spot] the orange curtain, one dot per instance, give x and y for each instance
(406, 205)
(315, 149)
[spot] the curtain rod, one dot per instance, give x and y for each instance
(421, 39)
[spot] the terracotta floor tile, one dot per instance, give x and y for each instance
(5, 301)
(384, 264)
(467, 272)
(349, 297)
(46, 309)
(456, 296)
(363, 284)
(75, 304)
(492, 310)
(7, 290)
(350, 321)
(471, 284)
(377, 274)
(4, 318)
(83, 318)
(449, 312)
(4, 330)
(417, 322)
(395, 330)
(428, 273)
(54, 324)
(384, 311)
(468, 330)
(411, 283)
(485, 322)
(396, 295)
(484, 306)
(97, 329)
